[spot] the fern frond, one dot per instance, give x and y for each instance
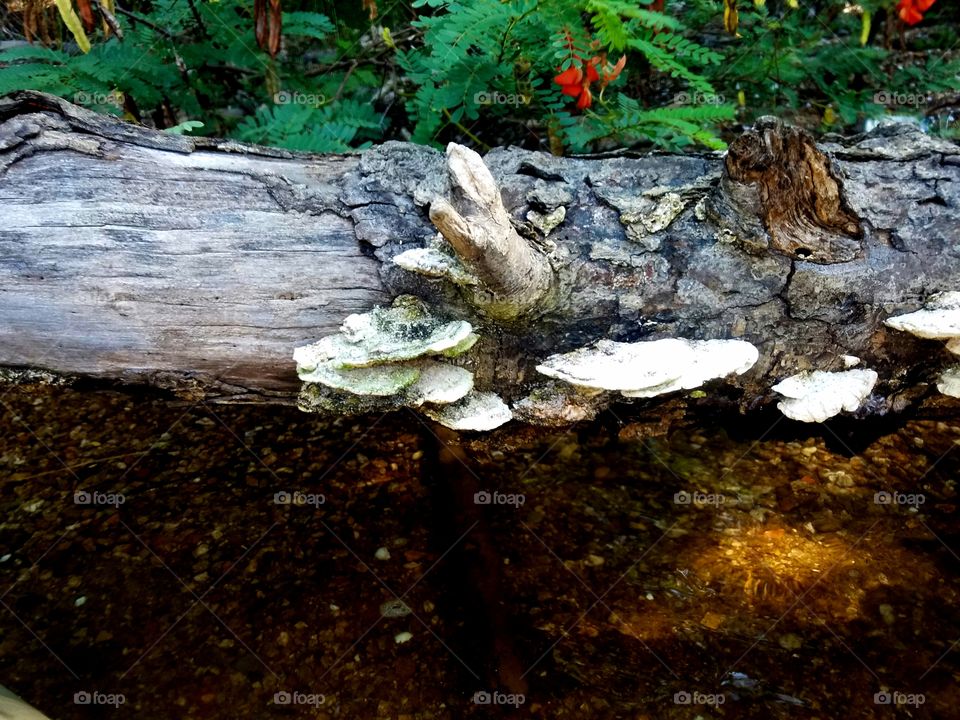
(31, 52)
(647, 18)
(331, 129)
(307, 24)
(664, 61)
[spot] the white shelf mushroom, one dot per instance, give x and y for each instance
(478, 411)
(385, 359)
(404, 331)
(650, 368)
(939, 320)
(949, 383)
(379, 380)
(439, 383)
(435, 263)
(817, 396)
(709, 360)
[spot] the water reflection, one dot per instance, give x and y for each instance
(591, 573)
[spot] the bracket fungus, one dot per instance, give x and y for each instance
(404, 331)
(938, 320)
(949, 382)
(649, 368)
(436, 261)
(386, 359)
(477, 411)
(819, 395)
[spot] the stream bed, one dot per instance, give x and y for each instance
(174, 560)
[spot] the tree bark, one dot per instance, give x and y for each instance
(198, 265)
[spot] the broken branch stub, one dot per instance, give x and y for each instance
(781, 192)
(516, 278)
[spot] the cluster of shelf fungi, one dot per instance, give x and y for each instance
(393, 357)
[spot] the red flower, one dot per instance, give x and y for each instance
(610, 75)
(585, 99)
(576, 83)
(911, 11)
(569, 80)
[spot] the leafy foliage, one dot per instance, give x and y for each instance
(488, 49)
(821, 68)
(301, 127)
(205, 67)
(541, 73)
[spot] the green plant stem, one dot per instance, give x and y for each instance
(138, 19)
(465, 130)
(198, 19)
(346, 76)
(506, 33)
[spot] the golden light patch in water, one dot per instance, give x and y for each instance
(773, 567)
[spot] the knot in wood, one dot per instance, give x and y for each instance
(798, 196)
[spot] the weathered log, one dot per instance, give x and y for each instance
(197, 264)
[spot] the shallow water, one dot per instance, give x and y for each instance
(715, 572)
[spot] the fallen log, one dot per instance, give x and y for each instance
(199, 264)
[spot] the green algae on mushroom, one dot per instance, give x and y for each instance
(316, 398)
(404, 331)
(461, 347)
(382, 360)
(378, 380)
